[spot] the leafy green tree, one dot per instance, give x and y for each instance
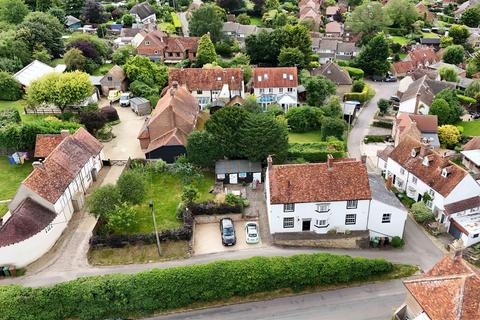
(449, 135)
(202, 149)
(204, 20)
(92, 46)
(205, 52)
(373, 57)
(471, 17)
(402, 13)
(473, 89)
(358, 85)
(43, 5)
(14, 52)
(368, 18)
(454, 54)
(230, 5)
(41, 54)
(243, 18)
(121, 55)
(58, 13)
(13, 11)
(10, 88)
(446, 41)
(189, 194)
(296, 36)
(131, 186)
(383, 105)
(318, 90)
(448, 74)
(122, 219)
(251, 105)
(262, 135)
(74, 7)
(224, 126)
(103, 201)
(101, 30)
(271, 5)
(421, 213)
(304, 118)
(332, 127)
(143, 69)
(74, 59)
(291, 57)
(459, 34)
(127, 20)
(94, 12)
(332, 109)
(60, 89)
(354, 3)
(263, 47)
(446, 113)
(42, 29)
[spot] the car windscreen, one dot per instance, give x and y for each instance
(252, 235)
(228, 231)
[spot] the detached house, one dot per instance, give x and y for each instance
(427, 126)
(159, 46)
(164, 133)
(448, 190)
(276, 85)
(47, 199)
(240, 31)
(309, 10)
(337, 75)
(336, 195)
(143, 13)
(420, 57)
(210, 86)
(330, 49)
(115, 79)
(334, 29)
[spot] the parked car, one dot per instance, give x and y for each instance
(377, 78)
(390, 78)
(227, 232)
(251, 232)
(125, 99)
(114, 95)
(395, 99)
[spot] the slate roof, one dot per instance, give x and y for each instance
(328, 44)
(431, 174)
(347, 47)
(462, 205)
(449, 291)
(46, 143)
(62, 165)
(383, 154)
(28, 219)
(381, 193)
(280, 77)
(333, 72)
(473, 144)
(236, 166)
(207, 79)
(347, 179)
(143, 10)
(71, 20)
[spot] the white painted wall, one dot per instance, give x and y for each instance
(397, 221)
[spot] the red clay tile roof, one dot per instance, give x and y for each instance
(473, 144)
(333, 27)
(431, 174)
(312, 182)
(403, 67)
(172, 120)
(63, 164)
(383, 154)
(162, 42)
(45, 143)
(28, 219)
(425, 123)
(207, 79)
(462, 205)
(424, 56)
(449, 291)
(281, 77)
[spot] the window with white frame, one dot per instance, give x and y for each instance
(429, 203)
(320, 223)
(288, 222)
(199, 91)
(290, 89)
(386, 217)
(280, 90)
(323, 207)
(352, 204)
(431, 193)
(402, 171)
(270, 90)
(414, 180)
(477, 209)
(262, 90)
(350, 219)
(476, 235)
(289, 207)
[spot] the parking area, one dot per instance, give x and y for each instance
(207, 238)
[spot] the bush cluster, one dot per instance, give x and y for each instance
(355, 73)
(383, 124)
(317, 151)
(421, 212)
(373, 138)
(358, 96)
(123, 295)
(213, 208)
(8, 116)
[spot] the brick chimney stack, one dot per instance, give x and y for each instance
(425, 147)
(330, 162)
(64, 133)
(269, 162)
(174, 88)
(456, 249)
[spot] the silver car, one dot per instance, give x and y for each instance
(251, 232)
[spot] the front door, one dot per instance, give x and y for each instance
(233, 178)
(306, 225)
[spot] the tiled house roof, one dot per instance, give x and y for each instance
(346, 179)
(425, 123)
(462, 205)
(46, 143)
(158, 42)
(207, 79)
(334, 73)
(473, 144)
(62, 165)
(143, 10)
(116, 73)
(281, 77)
(449, 291)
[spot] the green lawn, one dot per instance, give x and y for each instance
(430, 35)
(471, 128)
(20, 105)
(400, 40)
(165, 190)
(255, 21)
(402, 55)
(56, 62)
(103, 69)
(304, 137)
(10, 178)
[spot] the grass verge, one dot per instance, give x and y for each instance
(138, 254)
(471, 128)
(11, 176)
(304, 137)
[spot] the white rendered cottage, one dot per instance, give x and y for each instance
(453, 195)
(47, 199)
(319, 197)
(276, 85)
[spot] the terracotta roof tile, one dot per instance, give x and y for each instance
(449, 291)
(28, 219)
(423, 56)
(402, 67)
(333, 27)
(207, 79)
(383, 154)
(296, 183)
(473, 144)
(425, 123)
(45, 143)
(281, 77)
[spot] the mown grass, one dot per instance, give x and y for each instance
(471, 128)
(304, 137)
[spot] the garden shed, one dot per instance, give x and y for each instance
(238, 171)
(140, 106)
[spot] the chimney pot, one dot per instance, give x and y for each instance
(363, 158)
(330, 161)
(64, 133)
(38, 164)
(456, 249)
(269, 162)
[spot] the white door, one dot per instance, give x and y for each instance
(257, 176)
(233, 178)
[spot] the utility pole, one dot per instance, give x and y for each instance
(155, 226)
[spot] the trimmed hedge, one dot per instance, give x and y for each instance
(465, 99)
(358, 96)
(373, 138)
(317, 151)
(144, 293)
(383, 124)
(212, 208)
(355, 73)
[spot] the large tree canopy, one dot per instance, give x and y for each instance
(204, 20)
(145, 70)
(318, 89)
(368, 18)
(373, 57)
(454, 54)
(206, 51)
(402, 13)
(13, 11)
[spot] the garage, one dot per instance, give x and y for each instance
(238, 171)
(454, 231)
(207, 238)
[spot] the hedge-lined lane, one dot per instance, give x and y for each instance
(144, 293)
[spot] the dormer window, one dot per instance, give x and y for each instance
(291, 77)
(259, 78)
(444, 173)
(284, 76)
(265, 76)
(425, 161)
(219, 78)
(413, 153)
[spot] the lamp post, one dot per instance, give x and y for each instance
(150, 204)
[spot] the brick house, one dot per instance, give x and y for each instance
(115, 79)
(159, 46)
